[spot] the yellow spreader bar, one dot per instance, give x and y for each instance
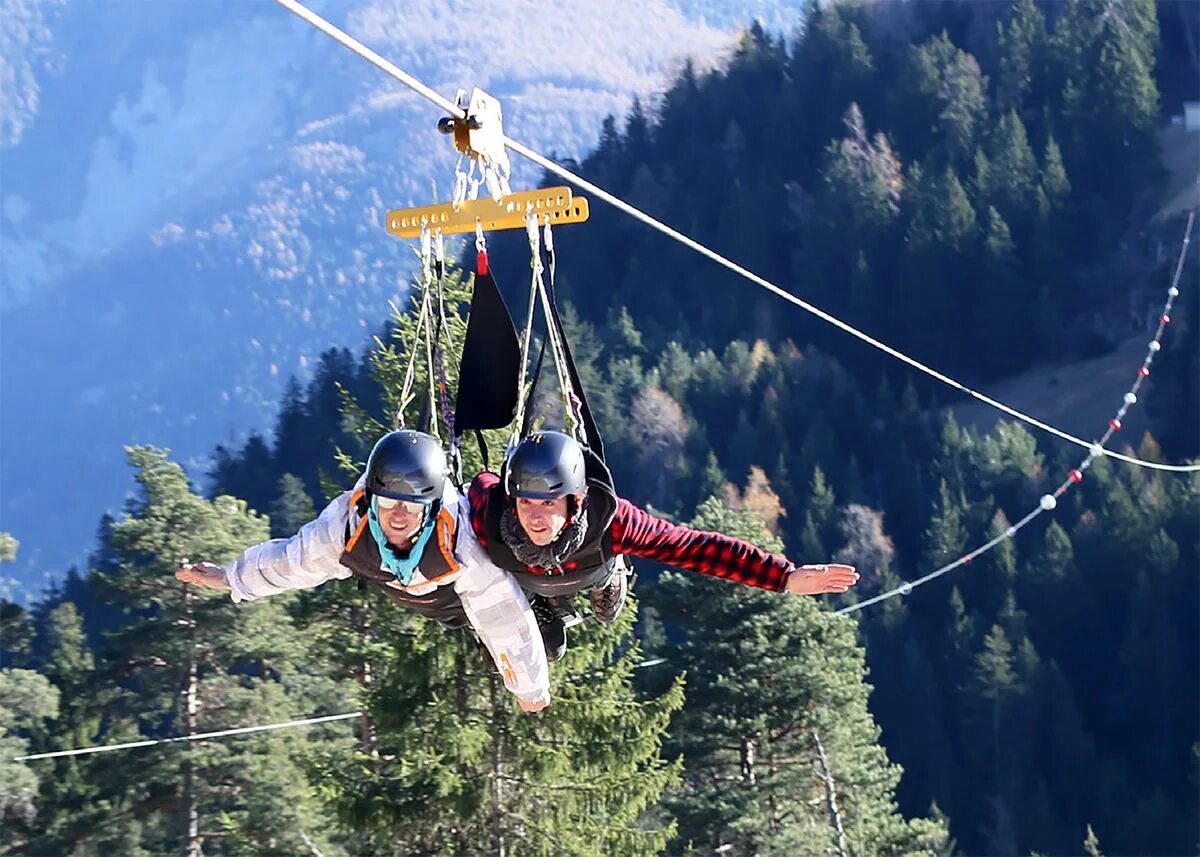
(557, 203)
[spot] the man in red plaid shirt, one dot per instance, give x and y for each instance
(556, 523)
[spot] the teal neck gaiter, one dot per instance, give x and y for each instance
(402, 566)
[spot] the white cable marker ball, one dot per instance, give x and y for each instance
(1048, 502)
(1130, 398)
(905, 588)
(1156, 345)
(1173, 292)
(1010, 532)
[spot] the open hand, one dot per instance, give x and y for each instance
(821, 579)
(203, 574)
(533, 706)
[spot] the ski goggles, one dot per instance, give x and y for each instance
(409, 506)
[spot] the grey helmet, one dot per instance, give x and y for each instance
(545, 466)
(407, 465)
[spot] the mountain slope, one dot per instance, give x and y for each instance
(192, 205)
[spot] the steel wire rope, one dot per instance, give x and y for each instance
(545, 163)
(245, 730)
(1049, 501)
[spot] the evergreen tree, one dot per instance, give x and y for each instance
(457, 769)
(292, 509)
(944, 103)
(1000, 313)
(993, 575)
(247, 474)
(1103, 56)
(26, 699)
(777, 703)
(993, 686)
(945, 537)
(73, 803)
(833, 68)
(819, 517)
(192, 663)
(1020, 42)
(1012, 171)
(939, 245)
(1069, 761)
(449, 765)
(16, 634)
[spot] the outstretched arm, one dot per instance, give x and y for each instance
(307, 559)
(636, 532)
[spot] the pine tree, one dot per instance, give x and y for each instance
(945, 537)
(818, 532)
(1000, 312)
(16, 634)
(776, 710)
(992, 577)
(247, 474)
(1055, 184)
(993, 686)
(1069, 762)
(1020, 41)
(451, 765)
(73, 804)
(26, 699)
(944, 94)
(1012, 171)
(1103, 56)
(191, 662)
(861, 184)
(832, 67)
(292, 509)
(939, 243)
(457, 769)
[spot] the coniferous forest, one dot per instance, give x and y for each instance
(980, 185)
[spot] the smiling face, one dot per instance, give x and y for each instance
(400, 520)
(542, 520)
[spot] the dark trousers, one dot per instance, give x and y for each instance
(442, 605)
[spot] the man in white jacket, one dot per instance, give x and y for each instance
(405, 529)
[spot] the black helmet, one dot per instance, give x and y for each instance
(407, 465)
(545, 466)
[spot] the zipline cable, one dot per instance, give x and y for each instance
(1050, 501)
(545, 163)
(244, 730)
(223, 733)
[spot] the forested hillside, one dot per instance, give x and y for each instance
(976, 184)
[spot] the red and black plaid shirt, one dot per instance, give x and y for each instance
(635, 532)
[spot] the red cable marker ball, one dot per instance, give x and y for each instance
(1075, 476)
(1144, 371)
(1114, 424)
(1166, 319)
